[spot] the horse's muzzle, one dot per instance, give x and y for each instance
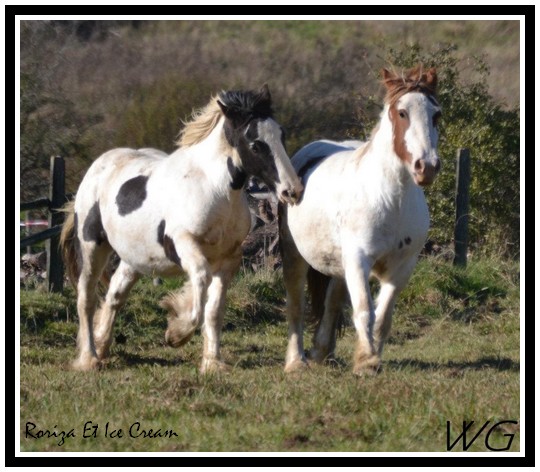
(291, 196)
(425, 171)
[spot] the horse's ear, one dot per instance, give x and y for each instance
(415, 73)
(388, 77)
(264, 94)
(431, 78)
(230, 112)
(224, 108)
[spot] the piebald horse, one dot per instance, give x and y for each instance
(167, 215)
(363, 212)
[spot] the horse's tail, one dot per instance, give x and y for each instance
(181, 327)
(318, 284)
(68, 243)
(70, 247)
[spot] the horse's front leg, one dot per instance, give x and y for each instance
(357, 269)
(186, 307)
(295, 270)
(214, 312)
(391, 286)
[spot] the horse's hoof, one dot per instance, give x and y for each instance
(367, 367)
(85, 365)
(102, 348)
(210, 366)
(176, 338)
(317, 357)
(296, 365)
(102, 353)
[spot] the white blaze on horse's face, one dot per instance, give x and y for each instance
(265, 157)
(414, 118)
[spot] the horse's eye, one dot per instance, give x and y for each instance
(402, 114)
(254, 146)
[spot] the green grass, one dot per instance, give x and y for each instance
(453, 356)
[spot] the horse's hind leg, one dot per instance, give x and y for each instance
(121, 282)
(324, 338)
(94, 258)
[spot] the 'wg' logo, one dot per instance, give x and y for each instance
(467, 445)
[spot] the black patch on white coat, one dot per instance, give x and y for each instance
(408, 240)
(131, 195)
(310, 164)
(161, 232)
(170, 250)
(167, 243)
(93, 227)
(238, 176)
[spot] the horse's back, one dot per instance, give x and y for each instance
(312, 154)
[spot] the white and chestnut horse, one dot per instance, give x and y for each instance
(363, 212)
(167, 215)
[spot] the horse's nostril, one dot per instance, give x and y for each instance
(419, 165)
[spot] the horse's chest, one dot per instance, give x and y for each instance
(399, 239)
(225, 231)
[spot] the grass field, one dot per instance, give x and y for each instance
(453, 356)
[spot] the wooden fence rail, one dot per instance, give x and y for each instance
(41, 236)
(36, 204)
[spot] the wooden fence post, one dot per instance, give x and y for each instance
(57, 197)
(463, 178)
(27, 230)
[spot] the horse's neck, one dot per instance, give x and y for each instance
(382, 171)
(209, 156)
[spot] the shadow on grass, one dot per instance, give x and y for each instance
(500, 364)
(130, 359)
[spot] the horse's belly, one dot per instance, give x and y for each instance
(316, 240)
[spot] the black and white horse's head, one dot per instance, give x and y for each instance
(259, 141)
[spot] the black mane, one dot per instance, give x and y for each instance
(248, 103)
